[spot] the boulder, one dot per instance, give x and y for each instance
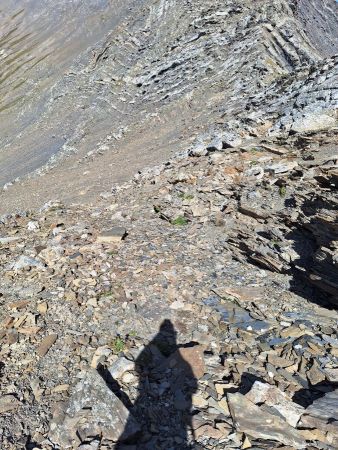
(272, 396)
(93, 410)
(323, 414)
(253, 421)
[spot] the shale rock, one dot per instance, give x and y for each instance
(93, 410)
(251, 420)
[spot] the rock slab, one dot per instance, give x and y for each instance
(272, 396)
(323, 414)
(93, 410)
(115, 234)
(250, 419)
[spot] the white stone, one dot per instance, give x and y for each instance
(272, 396)
(121, 366)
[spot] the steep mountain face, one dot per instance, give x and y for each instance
(319, 20)
(165, 74)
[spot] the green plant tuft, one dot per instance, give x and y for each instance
(180, 220)
(184, 196)
(117, 345)
(282, 191)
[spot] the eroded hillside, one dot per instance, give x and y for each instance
(166, 73)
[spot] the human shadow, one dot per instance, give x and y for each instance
(163, 405)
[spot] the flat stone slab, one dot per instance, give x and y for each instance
(93, 410)
(272, 396)
(115, 234)
(323, 414)
(253, 421)
(9, 239)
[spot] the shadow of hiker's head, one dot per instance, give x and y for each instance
(166, 339)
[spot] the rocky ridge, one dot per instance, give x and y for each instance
(242, 237)
(165, 74)
(193, 306)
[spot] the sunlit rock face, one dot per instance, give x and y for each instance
(77, 76)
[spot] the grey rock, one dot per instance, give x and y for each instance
(231, 140)
(8, 240)
(314, 122)
(322, 413)
(33, 225)
(94, 445)
(93, 410)
(250, 419)
(198, 150)
(215, 144)
(332, 375)
(121, 366)
(26, 261)
(282, 167)
(272, 396)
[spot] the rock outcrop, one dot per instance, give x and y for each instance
(194, 305)
(235, 248)
(166, 74)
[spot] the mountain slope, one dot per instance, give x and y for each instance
(166, 73)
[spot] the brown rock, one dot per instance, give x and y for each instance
(19, 304)
(12, 336)
(8, 403)
(46, 344)
(223, 404)
(314, 435)
(244, 294)
(42, 307)
(246, 443)
(8, 322)
(198, 401)
(189, 358)
(315, 375)
(29, 330)
(294, 331)
(224, 428)
(277, 361)
(209, 432)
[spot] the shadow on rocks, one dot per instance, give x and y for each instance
(314, 273)
(247, 381)
(2, 367)
(114, 386)
(164, 402)
(305, 397)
